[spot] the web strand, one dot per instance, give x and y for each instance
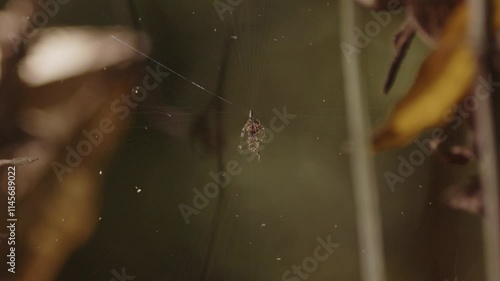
(173, 71)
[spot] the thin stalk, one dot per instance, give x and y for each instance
(487, 132)
(18, 161)
(362, 169)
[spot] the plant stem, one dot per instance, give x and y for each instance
(18, 161)
(487, 133)
(362, 169)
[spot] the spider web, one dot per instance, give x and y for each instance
(188, 103)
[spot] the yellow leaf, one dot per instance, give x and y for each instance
(443, 81)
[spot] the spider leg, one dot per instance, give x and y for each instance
(244, 130)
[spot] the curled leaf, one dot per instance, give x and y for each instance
(443, 81)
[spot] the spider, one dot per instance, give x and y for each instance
(252, 134)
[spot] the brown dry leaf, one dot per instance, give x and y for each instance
(57, 213)
(443, 80)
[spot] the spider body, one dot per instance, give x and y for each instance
(252, 134)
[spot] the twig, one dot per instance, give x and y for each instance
(487, 132)
(362, 169)
(402, 43)
(18, 161)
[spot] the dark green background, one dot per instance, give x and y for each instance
(301, 189)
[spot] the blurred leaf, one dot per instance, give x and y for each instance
(444, 80)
